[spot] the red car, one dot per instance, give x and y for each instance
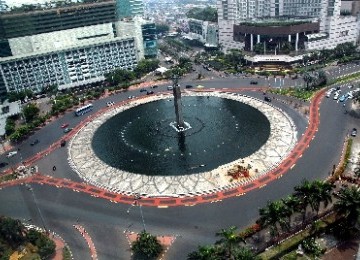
(64, 125)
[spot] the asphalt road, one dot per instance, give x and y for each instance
(59, 209)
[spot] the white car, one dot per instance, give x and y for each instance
(11, 154)
(110, 103)
(169, 87)
(336, 96)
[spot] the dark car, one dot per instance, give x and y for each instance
(354, 132)
(142, 90)
(188, 86)
(3, 164)
(155, 86)
(63, 143)
(67, 130)
(150, 92)
(34, 142)
(267, 99)
(253, 82)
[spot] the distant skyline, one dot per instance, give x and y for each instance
(11, 3)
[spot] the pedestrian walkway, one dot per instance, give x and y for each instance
(89, 241)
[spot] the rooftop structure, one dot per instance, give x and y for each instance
(284, 26)
(70, 45)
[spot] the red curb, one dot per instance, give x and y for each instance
(272, 175)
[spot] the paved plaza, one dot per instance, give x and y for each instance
(280, 143)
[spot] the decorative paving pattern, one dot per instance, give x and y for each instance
(83, 160)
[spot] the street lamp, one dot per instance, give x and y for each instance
(36, 205)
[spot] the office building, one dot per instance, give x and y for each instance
(203, 31)
(67, 46)
(283, 26)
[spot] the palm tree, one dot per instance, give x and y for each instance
(322, 193)
(244, 253)
(207, 253)
(228, 240)
(348, 204)
(305, 193)
(293, 204)
(146, 245)
(275, 213)
(309, 79)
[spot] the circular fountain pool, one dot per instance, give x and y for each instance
(142, 140)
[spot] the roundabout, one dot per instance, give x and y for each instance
(65, 199)
(272, 127)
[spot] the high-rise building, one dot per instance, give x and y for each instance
(67, 46)
(275, 26)
(129, 8)
(3, 6)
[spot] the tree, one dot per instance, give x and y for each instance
(30, 111)
(162, 28)
(305, 194)
(146, 245)
(309, 80)
(244, 253)
(275, 213)
(207, 253)
(12, 231)
(228, 240)
(322, 193)
(206, 14)
(348, 205)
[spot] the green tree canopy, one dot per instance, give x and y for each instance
(162, 28)
(31, 111)
(206, 14)
(146, 245)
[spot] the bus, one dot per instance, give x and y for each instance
(82, 110)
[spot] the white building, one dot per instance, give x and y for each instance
(203, 31)
(271, 25)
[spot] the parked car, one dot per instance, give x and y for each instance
(354, 132)
(253, 82)
(11, 154)
(64, 125)
(150, 92)
(36, 141)
(170, 87)
(143, 90)
(267, 99)
(188, 86)
(67, 130)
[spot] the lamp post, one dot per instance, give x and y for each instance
(37, 207)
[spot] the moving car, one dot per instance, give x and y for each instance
(64, 125)
(354, 132)
(155, 86)
(131, 97)
(150, 92)
(188, 86)
(3, 164)
(11, 154)
(110, 103)
(170, 87)
(62, 143)
(142, 90)
(253, 82)
(34, 142)
(267, 99)
(67, 130)
(342, 98)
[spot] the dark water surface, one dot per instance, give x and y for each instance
(141, 140)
